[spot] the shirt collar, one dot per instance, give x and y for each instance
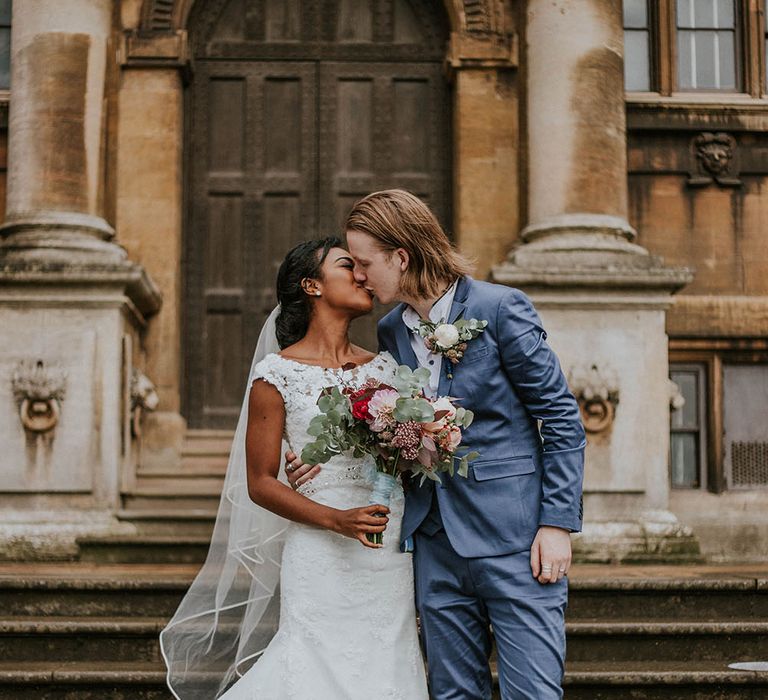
(439, 311)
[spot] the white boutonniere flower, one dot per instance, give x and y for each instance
(450, 339)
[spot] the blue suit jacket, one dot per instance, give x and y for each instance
(526, 476)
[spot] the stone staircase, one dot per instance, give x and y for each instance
(666, 632)
(89, 629)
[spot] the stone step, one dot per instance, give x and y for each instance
(124, 589)
(170, 502)
(662, 680)
(162, 521)
(122, 680)
(160, 549)
(98, 590)
(628, 640)
(80, 638)
(668, 597)
(116, 680)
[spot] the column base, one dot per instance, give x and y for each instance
(70, 336)
(63, 237)
(603, 301)
(656, 537)
(586, 250)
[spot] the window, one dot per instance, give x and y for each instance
(706, 44)
(637, 45)
(695, 45)
(745, 423)
(719, 436)
(5, 44)
(687, 432)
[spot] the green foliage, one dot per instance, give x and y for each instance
(410, 383)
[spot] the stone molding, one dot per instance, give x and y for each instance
(481, 34)
(166, 50)
(141, 292)
(472, 16)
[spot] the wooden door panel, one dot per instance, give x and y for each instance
(253, 196)
(297, 109)
(382, 125)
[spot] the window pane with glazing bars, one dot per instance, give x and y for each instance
(706, 45)
(5, 44)
(637, 69)
(687, 427)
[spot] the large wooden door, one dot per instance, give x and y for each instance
(295, 111)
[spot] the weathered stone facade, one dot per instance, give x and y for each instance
(602, 205)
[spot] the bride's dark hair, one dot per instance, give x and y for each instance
(302, 262)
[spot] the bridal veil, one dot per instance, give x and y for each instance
(231, 611)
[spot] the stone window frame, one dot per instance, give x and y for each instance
(751, 55)
(712, 354)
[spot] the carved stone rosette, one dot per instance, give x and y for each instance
(39, 391)
(597, 391)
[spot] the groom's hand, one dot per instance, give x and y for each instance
(297, 472)
(550, 554)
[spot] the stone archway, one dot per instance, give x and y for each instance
(471, 16)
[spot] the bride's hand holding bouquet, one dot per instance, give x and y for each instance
(402, 429)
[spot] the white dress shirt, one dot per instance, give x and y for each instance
(433, 361)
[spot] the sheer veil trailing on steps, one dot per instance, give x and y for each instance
(230, 612)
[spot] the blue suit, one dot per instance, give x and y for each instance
(473, 536)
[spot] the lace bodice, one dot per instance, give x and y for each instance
(300, 385)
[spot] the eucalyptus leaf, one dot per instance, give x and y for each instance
(315, 430)
(325, 403)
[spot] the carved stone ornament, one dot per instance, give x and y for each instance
(39, 391)
(143, 398)
(714, 159)
(676, 398)
(597, 391)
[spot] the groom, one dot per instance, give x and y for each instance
(490, 550)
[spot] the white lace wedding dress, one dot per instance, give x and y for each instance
(347, 615)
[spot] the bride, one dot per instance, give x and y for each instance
(290, 579)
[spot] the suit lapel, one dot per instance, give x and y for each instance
(458, 307)
(404, 348)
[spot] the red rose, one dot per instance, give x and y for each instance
(360, 409)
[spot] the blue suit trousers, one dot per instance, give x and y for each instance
(459, 599)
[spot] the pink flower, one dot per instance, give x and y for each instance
(380, 407)
(441, 405)
(451, 439)
(454, 437)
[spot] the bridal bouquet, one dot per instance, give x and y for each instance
(397, 425)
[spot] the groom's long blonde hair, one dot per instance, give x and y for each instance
(398, 219)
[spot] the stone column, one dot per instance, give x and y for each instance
(56, 127)
(602, 297)
(72, 306)
(577, 165)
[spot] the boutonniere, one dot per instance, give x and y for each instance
(450, 339)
